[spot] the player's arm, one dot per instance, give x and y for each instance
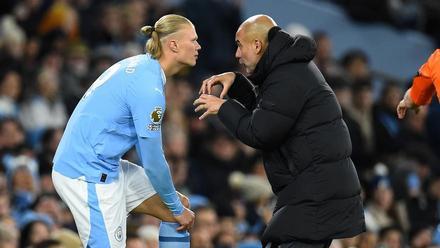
(156, 167)
(146, 102)
(423, 87)
(421, 91)
(426, 81)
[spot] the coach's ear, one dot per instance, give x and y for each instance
(258, 46)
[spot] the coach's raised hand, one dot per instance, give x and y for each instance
(210, 105)
(225, 79)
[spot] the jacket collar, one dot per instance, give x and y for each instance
(282, 49)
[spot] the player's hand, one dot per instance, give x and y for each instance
(405, 104)
(186, 220)
(225, 79)
(210, 104)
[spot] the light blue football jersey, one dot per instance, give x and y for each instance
(125, 102)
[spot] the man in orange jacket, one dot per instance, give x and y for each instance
(424, 86)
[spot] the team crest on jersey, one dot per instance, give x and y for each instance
(118, 234)
(155, 117)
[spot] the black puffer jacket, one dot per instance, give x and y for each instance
(293, 116)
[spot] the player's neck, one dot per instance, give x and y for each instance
(169, 66)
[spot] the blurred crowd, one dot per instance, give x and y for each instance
(421, 15)
(52, 50)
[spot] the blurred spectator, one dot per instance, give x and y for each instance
(414, 131)
(423, 208)
(134, 15)
(26, 201)
(46, 109)
(386, 123)
(222, 156)
(60, 16)
(228, 234)
(179, 172)
(33, 233)
(240, 214)
(432, 122)
(359, 119)
(355, 63)
(179, 93)
(109, 28)
(8, 238)
(24, 190)
(368, 239)
(199, 133)
(390, 237)
(12, 138)
(200, 238)
(5, 207)
(10, 90)
(379, 211)
(324, 55)
(12, 42)
(74, 77)
(421, 237)
(226, 17)
(252, 187)
(206, 224)
(29, 14)
(342, 89)
(3, 184)
(67, 238)
(49, 144)
(134, 241)
(175, 140)
(49, 243)
(149, 235)
(49, 205)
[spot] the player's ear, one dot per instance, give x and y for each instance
(172, 44)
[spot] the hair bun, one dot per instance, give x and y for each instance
(147, 30)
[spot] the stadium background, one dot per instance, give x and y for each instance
(368, 50)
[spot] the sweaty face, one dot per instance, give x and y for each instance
(188, 47)
(246, 52)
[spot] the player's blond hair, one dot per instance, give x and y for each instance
(166, 25)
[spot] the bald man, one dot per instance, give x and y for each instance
(284, 107)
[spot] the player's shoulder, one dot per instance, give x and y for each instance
(432, 64)
(140, 65)
(140, 68)
(436, 57)
(143, 73)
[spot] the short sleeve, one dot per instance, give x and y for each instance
(427, 81)
(146, 101)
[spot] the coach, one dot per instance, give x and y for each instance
(286, 109)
